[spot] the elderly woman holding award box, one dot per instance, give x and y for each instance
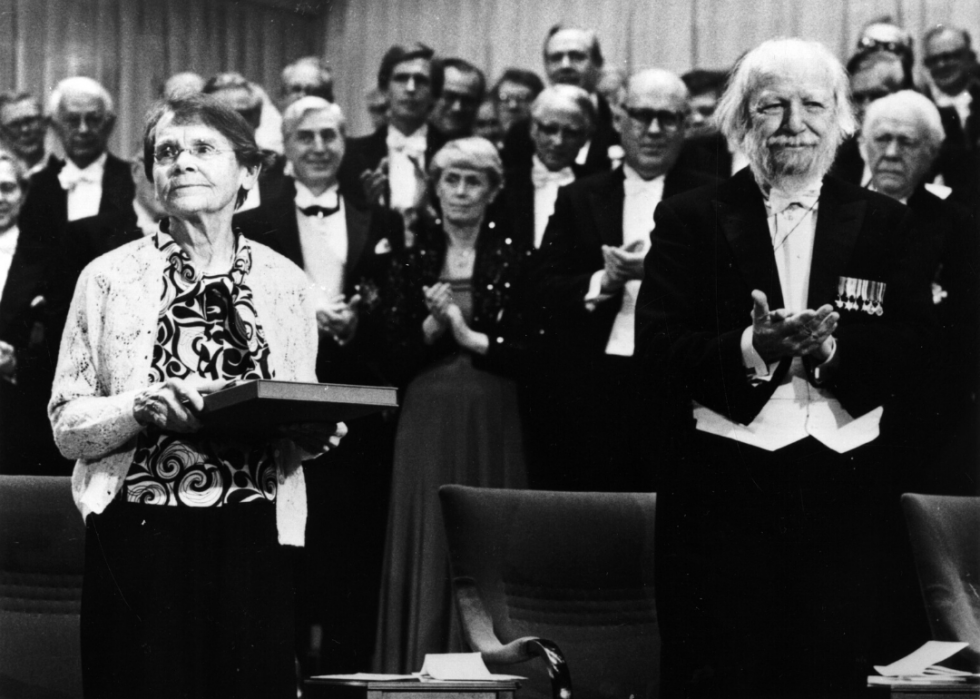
(187, 586)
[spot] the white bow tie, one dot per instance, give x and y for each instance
(328, 199)
(779, 200)
(70, 176)
(542, 176)
(409, 145)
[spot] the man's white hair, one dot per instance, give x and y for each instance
(565, 95)
(81, 85)
(297, 111)
(908, 103)
(733, 114)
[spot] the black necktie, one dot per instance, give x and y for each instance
(320, 211)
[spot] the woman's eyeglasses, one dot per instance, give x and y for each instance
(167, 154)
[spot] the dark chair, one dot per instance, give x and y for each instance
(567, 577)
(42, 553)
(945, 533)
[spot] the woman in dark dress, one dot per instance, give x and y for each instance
(451, 312)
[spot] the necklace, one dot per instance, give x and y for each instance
(776, 246)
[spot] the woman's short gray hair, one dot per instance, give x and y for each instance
(733, 114)
(471, 153)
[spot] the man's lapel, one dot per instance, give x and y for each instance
(838, 224)
(606, 203)
(742, 218)
(358, 221)
(286, 228)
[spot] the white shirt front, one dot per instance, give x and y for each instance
(797, 408)
(8, 245)
(84, 187)
(323, 240)
(546, 183)
(640, 199)
(960, 102)
(406, 165)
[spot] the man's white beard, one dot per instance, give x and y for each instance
(790, 170)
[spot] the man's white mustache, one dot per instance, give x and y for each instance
(791, 142)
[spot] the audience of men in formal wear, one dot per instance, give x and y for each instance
(631, 203)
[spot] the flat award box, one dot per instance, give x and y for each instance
(260, 405)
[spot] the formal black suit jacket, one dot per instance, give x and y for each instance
(366, 153)
(518, 146)
(959, 158)
(588, 214)
(47, 233)
(849, 163)
(274, 224)
(44, 218)
(708, 154)
(26, 444)
(712, 247)
(947, 236)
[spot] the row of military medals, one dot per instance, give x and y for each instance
(860, 295)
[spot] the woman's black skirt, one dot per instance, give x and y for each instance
(186, 602)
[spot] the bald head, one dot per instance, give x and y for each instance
(655, 109)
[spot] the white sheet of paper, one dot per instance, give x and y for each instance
(915, 663)
(366, 677)
(455, 666)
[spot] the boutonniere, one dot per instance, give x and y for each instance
(861, 295)
(383, 246)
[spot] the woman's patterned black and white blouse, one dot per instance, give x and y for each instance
(207, 328)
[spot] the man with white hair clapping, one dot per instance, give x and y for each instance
(901, 139)
(785, 313)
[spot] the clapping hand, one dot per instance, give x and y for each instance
(8, 360)
(339, 318)
(315, 437)
(622, 264)
(780, 333)
(438, 299)
(375, 183)
(175, 404)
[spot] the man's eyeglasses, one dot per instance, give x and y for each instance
(23, 124)
(167, 154)
(867, 42)
(554, 129)
(947, 57)
(666, 119)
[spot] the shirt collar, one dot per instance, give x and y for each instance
(778, 200)
(541, 175)
(329, 198)
(93, 172)
(416, 141)
(635, 181)
(186, 274)
(8, 239)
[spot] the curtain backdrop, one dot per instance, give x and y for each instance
(674, 34)
(132, 46)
